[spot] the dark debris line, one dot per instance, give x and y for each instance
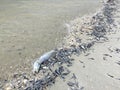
(101, 24)
(62, 60)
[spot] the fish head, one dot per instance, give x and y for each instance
(36, 67)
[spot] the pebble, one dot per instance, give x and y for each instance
(8, 86)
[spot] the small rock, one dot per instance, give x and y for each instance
(25, 81)
(8, 87)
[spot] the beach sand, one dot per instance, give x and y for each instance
(98, 66)
(29, 28)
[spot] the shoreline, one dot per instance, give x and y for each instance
(92, 67)
(26, 32)
(90, 32)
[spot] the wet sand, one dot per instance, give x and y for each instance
(30, 28)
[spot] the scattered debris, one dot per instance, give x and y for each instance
(107, 55)
(91, 58)
(110, 75)
(104, 58)
(87, 54)
(82, 63)
(117, 50)
(74, 84)
(118, 62)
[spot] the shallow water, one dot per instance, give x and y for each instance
(29, 28)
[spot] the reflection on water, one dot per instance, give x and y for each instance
(29, 28)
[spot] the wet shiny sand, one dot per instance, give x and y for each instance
(29, 28)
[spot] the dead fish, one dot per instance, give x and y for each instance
(107, 55)
(109, 1)
(118, 62)
(110, 75)
(117, 50)
(91, 58)
(59, 70)
(82, 63)
(104, 58)
(81, 88)
(70, 84)
(87, 54)
(43, 58)
(117, 78)
(89, 45)
(74, 76)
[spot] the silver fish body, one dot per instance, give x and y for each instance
(43, 58)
